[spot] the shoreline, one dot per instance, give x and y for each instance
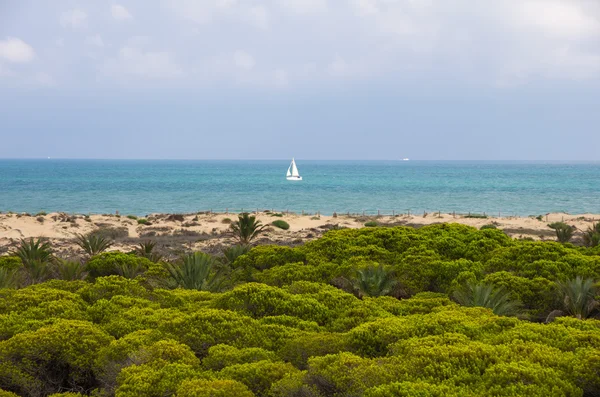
(208, 231)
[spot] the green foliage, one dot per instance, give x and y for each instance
(36, 256)
(579, 296)
(591, 237)
(374, 281)
(230, 254)
(246, 228)
(117, 263)
(476, 216)
(221, 356)
(280, 223)
(10, 262)
(486, 295)
(213, 388)
(146, 250)
(197, 271)
(564, 232)
(372, 224)
(93, 244)
(8, 278)
(132, 217)
(143, 221)
(488, 226)
(258, 376)
(70, 270)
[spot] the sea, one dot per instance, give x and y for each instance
(141, 187)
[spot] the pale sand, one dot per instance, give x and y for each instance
(62, 228)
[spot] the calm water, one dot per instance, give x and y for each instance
(142, 187)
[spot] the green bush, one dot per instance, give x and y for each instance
(213, 388)
(143, 221)
(132, 217)
(372, 224)
(117, 263)
(488, 226)
(281, 224)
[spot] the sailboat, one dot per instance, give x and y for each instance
(292, 172)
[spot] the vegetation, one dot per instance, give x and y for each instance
(591, 237)
(143, 221)
(93, 244)
(246, 228)
(146, 249)
(372, 224)
(281, 224)
(372, 312)
(564, 232)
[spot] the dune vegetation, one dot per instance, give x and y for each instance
(444, 310)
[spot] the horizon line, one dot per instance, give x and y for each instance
(287, 159)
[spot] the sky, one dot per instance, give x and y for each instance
(314, 79)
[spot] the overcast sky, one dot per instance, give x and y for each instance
(314, 79)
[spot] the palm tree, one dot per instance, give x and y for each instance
(374, 281)
(246, 228)
(8, 278)
(232, 253)
(93, 244)
(36, 256)
(197, 271)
(591, 237)
(146, 250)
(564, 232)
(579, 296)
(70, 270)
(485, 295)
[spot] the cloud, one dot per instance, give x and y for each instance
(281, 78)
(16, 50)
(557, 18)
(95, 41)
(73, 18)
(305, 6)
(135, 62)
(119, 12)
(243, 60)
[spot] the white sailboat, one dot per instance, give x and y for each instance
(292, 172)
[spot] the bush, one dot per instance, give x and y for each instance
(281, 224)
(564, 232)
(213, 388)
(117, 263)
(132, 217)
(226, 221)
(488, 226)
(143, 221)
(372, 224)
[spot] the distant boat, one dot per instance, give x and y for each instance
(405, 159)
(292, 172)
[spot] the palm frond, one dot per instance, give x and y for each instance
(579, 296)
(486, 295)
(246, 228)
(93, 244)
(374, 281)
(197, 271)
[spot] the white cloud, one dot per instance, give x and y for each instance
(73, 18)
(557, 18)
(133, 61)
(243, 60)
(95, 41)
(304, 6)
(119, 12)
(16, 50)
(259, 16)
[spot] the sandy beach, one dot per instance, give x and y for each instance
(209, 231)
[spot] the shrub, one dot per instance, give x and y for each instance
(117, 263)
(143, 221)
(476, 216)
(213, 388)
(564, 232)
(221, 356)
(93, 244)
(488, 226)
(226, 221)
(132, 217)
(372, 224)
(281, 224)
(10, 262)
(486, 295)
(246, 228)
(259, 376)
(197, 271)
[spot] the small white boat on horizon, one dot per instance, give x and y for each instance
(292, 172)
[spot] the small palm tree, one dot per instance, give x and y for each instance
(232, 253)
(246, 228)
(197, 271)
(93, 244)
(146, 250)
(8, 278)
(579, 296)
(485, 295)
(564, 232)
(374, 281)
(36, 256)
(70, 270)
(591, 237)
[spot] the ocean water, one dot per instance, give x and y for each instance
(145, 186)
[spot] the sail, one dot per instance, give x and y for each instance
(289, 172)
(294, 169)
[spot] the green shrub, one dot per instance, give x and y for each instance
(10, 262)
(564, 232)
(226, 221)
(213, 388)
(132, 217)
(476, 216)
(281, 224)
(117, 263)
(143, 221)
(372, 224)
(488, 226)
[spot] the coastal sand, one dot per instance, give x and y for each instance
(63, 228)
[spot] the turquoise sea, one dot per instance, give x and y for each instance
(145, 186)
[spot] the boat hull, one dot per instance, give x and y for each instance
(294, 178)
